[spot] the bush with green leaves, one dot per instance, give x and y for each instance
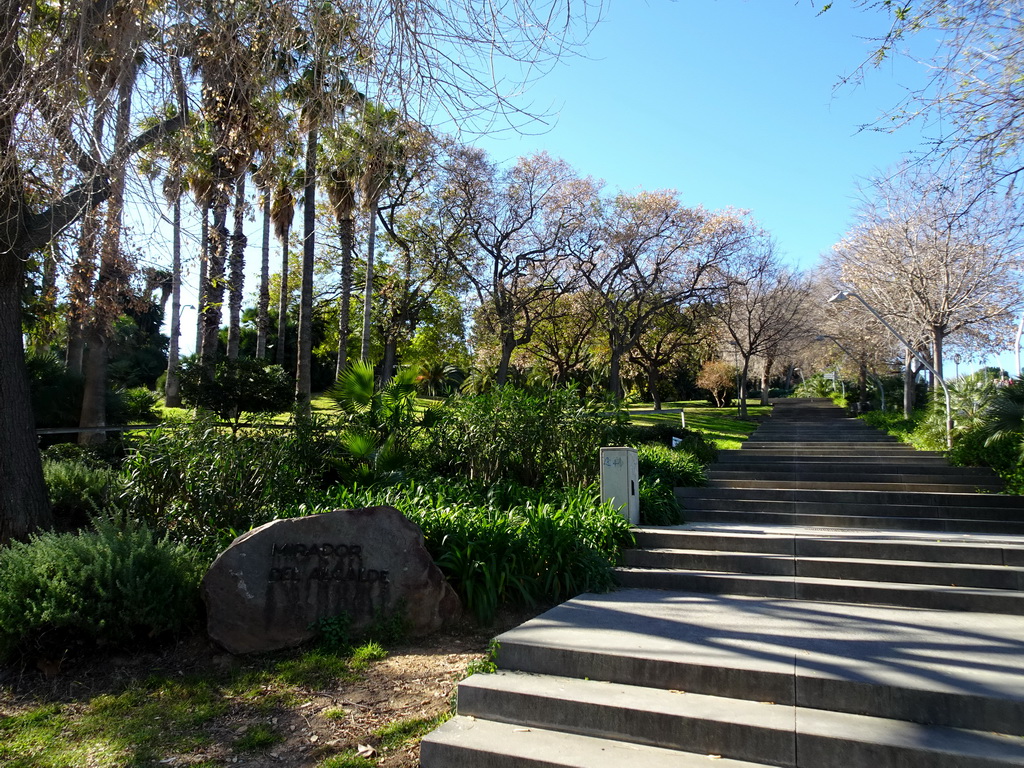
(515, 546)
(816, 386)
(78, 490)
(238, 386)
(56, 393)
(544, 437)
(381, 420)
(139, 404)
(676, 467)
(206, 485)
(113, 585)
(662, 470)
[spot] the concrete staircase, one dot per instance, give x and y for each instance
(839, 599)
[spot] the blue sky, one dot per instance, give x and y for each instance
(731, 103)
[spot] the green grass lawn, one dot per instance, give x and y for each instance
(720, 425)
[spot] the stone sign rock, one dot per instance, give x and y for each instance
(271, 586)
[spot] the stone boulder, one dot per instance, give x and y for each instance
(273, 584)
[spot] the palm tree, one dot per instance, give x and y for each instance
(381, 150)
(236, 275)
(172, 192)
(340, 181)
(261, 181)
(282, 213)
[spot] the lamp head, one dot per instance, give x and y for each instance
(821, 337)
(841, 296)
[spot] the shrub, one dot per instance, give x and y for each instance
(382, 421)
(76, 489)
(658, 505)
(718, 378)
(56, 393)
(662, 470)
(140, 404)
(206, 485)
(545, 546)
(113, 585)
(816, 386)
(675, 467)
(532, 438)
(239, 386)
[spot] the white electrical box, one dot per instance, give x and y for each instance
(620, 477)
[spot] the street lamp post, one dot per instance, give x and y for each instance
(844, 295)
(736, 365)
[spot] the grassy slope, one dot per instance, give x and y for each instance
(720, 425)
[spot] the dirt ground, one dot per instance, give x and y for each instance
(416, 680)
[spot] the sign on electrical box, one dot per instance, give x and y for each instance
(620, 477)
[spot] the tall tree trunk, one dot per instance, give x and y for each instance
(94, 390)
(508, 345)
(80, 288)
(214, 293)
(304, 361)
(82, 274)
(863, 384)
(347, 236)
(172, 384)
(236, 277)
(387, 365)
(766, 376)
(742, 392)
(263, 302)
(652, 385)
(46, 331)
(282, 302)
(24, 506)
(204, 275)
(614, 377)
(938, 335)
(371, 241)
(111, 285)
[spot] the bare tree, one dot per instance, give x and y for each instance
(516, 222)
(932, 265)
(646, 252)
(971, 96)
(762, 306)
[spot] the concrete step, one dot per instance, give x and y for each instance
(817, 516)
(835, 451)
(770, 733)
(858, 569)
(918, 458)
(865, 442)
(1012, 505)
(926, 666)
(840, 590)
(469, 742)
(857, 473)
(928, 472)
(809, 543)
(873, 446)
(881, 512)
(895, 486)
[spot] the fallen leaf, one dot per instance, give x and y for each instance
(365, 750)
